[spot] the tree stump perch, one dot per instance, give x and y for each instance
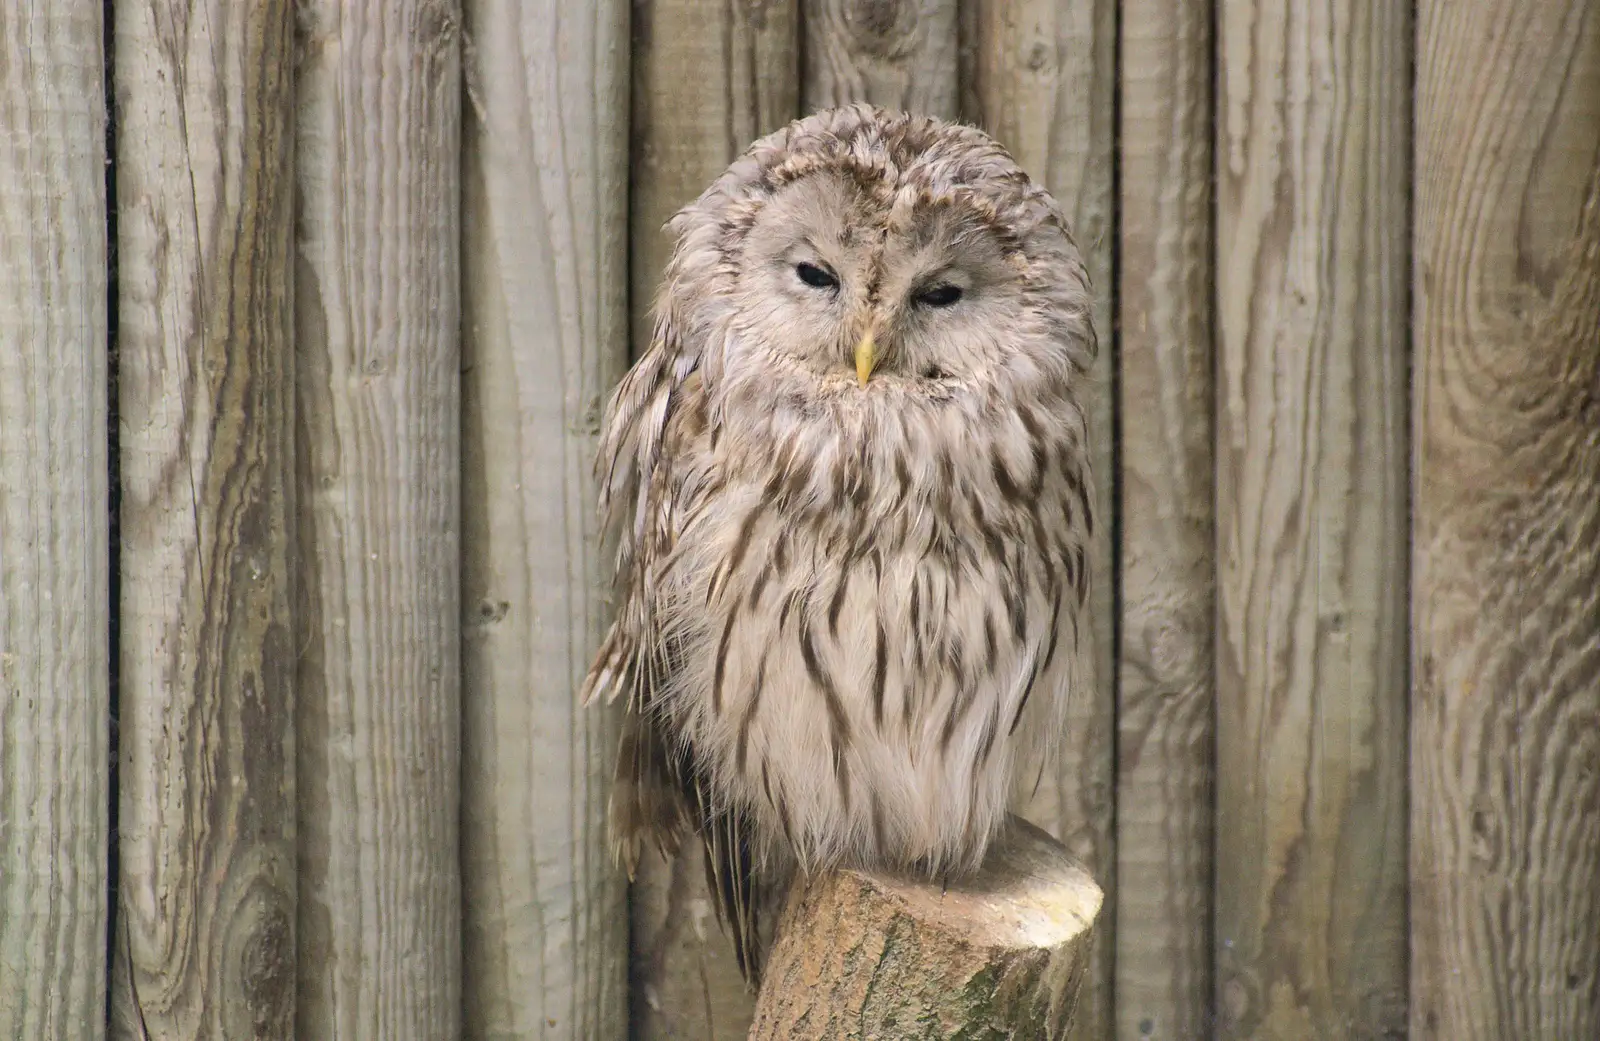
(995, 956)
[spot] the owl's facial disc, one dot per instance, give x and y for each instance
(840, 282)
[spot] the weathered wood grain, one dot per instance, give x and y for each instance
(1168, 569)
(1505, 753)
(684, 980)
(708, 79)
(897, 54)
(1044, 84)
(999, 955)
(54, 652)
(1311, 153)
(545, 265)
(377, 323)
(205, 943)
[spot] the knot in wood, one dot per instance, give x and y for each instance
(883, 28)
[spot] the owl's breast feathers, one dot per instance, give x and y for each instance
(833, 621)
(867, 599)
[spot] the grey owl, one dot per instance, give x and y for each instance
(849, 485)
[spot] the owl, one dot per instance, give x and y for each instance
(849, 488)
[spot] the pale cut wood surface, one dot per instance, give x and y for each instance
(205, 943)
(1168, 567)
(863, 957)
(377, 324)
(545, 337)
(708, 79)
(1044, 77)
(1312, 145)
(897, 54)
(54, 663)
(1505, 765)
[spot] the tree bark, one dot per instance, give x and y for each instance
(999, 955)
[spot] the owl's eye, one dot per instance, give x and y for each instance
(939, 296)
(816, 277)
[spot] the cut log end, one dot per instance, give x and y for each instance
(997, 955)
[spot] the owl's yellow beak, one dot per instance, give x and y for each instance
(866, 357)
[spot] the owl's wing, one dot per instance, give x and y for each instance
(659, 786)
(638, 511)
(633, 467)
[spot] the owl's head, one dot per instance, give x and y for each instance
(857, 252)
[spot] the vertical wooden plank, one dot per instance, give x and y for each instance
(708, 78)
(1505, 854)
(53, 523)
(900, 55)
(545, 260)
(1312, 161)
(206, 889)
(1045, 85)
(377, 323)
(1168, 568)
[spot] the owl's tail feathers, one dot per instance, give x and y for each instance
(646, 796)
(730, 875)
(656, 791)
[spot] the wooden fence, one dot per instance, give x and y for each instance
(288, 648)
